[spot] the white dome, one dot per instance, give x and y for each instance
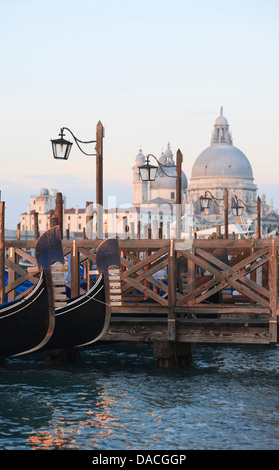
(221, 121)
(222, 161)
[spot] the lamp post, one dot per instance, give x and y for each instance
(237, 210)
(148, 173)
(205, 204)
(61, 150)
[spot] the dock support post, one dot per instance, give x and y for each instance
(2, 252)
(170, 354)
(2, 362)
(273, 292)
(171, 292)
(60, 357)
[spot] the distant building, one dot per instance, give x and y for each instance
(219, 166)
(44, 204)
(155, 202)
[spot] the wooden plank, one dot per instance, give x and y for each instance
(199, 262)
(143, 263)
(148, 276)
(223, 309)
(87, 254)
(12, 274)
(223, 333)
(189, 331)
(21, 280)
(233, 244)
(142, 245)
(145, 290)
(26, 256)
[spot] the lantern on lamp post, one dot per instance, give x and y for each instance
(147, 171)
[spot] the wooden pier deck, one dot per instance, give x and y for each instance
(213, 291)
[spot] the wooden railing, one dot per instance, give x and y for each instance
(197, 278)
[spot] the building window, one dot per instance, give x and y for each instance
(172, 195)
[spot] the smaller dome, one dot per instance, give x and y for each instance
(140, 158)
(221, 121)
(166, 175)
(44, 192)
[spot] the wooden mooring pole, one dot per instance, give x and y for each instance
(59, 212)
(172, 354)
(2, 262)
(2, 252)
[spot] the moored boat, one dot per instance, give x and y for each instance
(27, 324)
(85, 318)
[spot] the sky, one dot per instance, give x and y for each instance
(152, 71)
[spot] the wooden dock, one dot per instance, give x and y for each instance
(176, 292)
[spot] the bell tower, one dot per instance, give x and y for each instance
(140, 188)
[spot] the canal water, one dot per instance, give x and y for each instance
(117, 399)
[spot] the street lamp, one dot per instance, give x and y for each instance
(148, 173)
(61, 149)
(237, 210)
(205, 202)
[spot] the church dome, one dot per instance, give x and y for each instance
(222, 161)
(222, 158)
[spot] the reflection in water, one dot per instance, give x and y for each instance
(63, 432)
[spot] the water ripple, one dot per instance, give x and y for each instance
(117, 399)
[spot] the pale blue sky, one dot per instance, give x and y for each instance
(153, 72)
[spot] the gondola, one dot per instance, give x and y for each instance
(28, 323)
(86, 317)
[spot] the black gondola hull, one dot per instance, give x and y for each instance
(82, 322)
(27, 324)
